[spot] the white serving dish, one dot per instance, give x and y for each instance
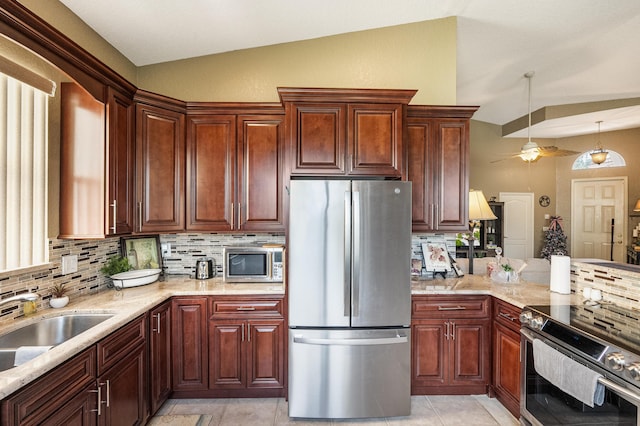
(135, 278)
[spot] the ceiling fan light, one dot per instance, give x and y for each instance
(530, 154)
(599, 156)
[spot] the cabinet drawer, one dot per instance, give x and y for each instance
(506, 314)
(450, 307)
(118, 345)
(248, 306)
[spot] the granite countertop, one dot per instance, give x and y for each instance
(129, 303)
(125, 305)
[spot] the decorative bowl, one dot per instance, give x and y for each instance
(135, 278)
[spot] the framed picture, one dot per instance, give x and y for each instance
(143, 252)
(436, 257)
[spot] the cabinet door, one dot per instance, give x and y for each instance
(506, 367)
(211, 153)
(226, 354)
(159, 169)
(429, 363)
(260, 173)
(83, 196)
(265, 357)
(420, 173)
(318, 138)
(189, 343)
(450, 168)
(124, 388)
(375, 140)
(79, 411)
(469, 346)
(120, 120)
(160, 355)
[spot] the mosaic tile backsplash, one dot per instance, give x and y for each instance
(92, 254)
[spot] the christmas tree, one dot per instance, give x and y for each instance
(555, 241)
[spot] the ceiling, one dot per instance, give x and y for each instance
(580, 50)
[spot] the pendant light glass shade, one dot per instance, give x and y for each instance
(598, 155)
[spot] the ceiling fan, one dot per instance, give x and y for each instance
(531, 151)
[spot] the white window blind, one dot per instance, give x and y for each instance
(23, 175)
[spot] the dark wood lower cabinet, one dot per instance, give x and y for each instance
(450, 345)
(506, 356)
(189, 345)
(80, 411)
(159, 355)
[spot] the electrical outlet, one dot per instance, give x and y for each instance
(166, 249)
(69, 264)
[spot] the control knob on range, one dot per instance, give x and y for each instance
(525, 317)
(536, 322)
(634, 370)
(615, 360)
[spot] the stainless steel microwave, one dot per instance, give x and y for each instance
(253, 264)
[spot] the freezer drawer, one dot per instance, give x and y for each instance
(349, 373)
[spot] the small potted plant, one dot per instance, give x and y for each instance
(115, 265)
(59, 299)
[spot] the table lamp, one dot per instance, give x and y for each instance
(478, 210)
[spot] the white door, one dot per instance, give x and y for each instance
(595, 203)
(518, 224)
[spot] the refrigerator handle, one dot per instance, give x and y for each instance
(346, 299)
(352, 342)
(355, 265)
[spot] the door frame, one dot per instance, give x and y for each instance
(625, 208)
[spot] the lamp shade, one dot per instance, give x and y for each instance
(478, 207)
(637, 207)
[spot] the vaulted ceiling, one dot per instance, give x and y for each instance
(585, 53)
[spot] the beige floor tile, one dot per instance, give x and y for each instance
(214, 407)
(422, 413)
(497, 410)
(181, 420)
(256, 412)
(461, 410)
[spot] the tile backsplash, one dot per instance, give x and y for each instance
(92, 254)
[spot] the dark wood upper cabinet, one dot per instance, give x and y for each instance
(354, 132)
(97, 159)
(211, 153)
(160, 168)
(438, 166)
(235, 172)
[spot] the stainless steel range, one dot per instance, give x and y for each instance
(603, 337)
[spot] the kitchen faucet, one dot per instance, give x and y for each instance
(23, 297)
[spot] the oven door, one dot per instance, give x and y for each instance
(542, 403)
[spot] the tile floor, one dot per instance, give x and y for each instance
(425, 410)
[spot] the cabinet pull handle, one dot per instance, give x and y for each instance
(507, 316)
(248, 333)
(452, 308)
(157, 330)
(242, 332)
(113, 228)
(453, 331)
(246, 308)
(233, 214)
(140, 216)
(99, 399)
(446, 333)
(108, 391)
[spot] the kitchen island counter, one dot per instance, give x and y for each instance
(517, 294)
(125, 305)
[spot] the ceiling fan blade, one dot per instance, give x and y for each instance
(508, 157)
(554, 151)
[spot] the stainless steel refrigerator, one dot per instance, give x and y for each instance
(349, 287)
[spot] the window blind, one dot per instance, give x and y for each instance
(23, 175)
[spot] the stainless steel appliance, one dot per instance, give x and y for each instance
(349, 289)
(205, 269)
(261, 264)
(603, 337)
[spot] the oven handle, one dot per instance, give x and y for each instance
(625, 393)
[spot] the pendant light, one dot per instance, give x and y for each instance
(599, 155)
(529, 151)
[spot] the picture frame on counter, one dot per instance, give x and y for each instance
(143, 252)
